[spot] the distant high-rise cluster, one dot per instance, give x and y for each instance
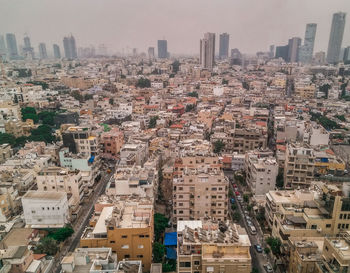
(207, 50)
(336, 37)
(70, 49)
(162, 49)
(56, 52)
(42, 51)
(11, 44)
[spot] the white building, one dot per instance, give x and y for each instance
(218, 91)
(318, 136)
(261, 172)
(238, 161)
(45, 209)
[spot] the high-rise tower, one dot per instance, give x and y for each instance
(11, 45)
(207, 50)
(42, 51)
(70, 48)
(336, 37)
(224, 46)
(306, 51)
(56, 52)
(162, 49)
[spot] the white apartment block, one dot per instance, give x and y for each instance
(45, 209)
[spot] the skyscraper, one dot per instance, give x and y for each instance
(56, 52)
(2, 46)
(293, 49)
(207, 50)
(282, 52)
(151, 53)
(42, 51)
(346, 57)
(70, 49)
(162, 49)
(28, 51)
(11, 43)
(272, 51)
(224, 46)
(306, 51)
(336, 37)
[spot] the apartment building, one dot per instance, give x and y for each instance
(123, 224)
(112, 143)
(261, 171)
(326, 214)
(80, 140)
(59, 179)
(241, 140)
(44, 209)
(10, 203)
(5, 152)
(299, 166)
(88, 166)
(209, 246)
(134, 153)
(92, 260)
(200, 189)
(335, 255)
(326, 162)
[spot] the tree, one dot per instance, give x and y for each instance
(275, 245)
(236, 216)
(245, 85)
(160, 224)
(44, 85)
(158, 252)
(267, 250)
(143, 83)
(43, 133)
(279, 179)
(176, 66)
(193, 94)
(47, 246)
(88, 97)
(7, 139)
(111, 101)
(340, 117)
(153, 122)
(62, 234)
(224, 81)
(218, 146)
(246, 198)
(189, 107)
(169, 265)
(77, 95)
(47, 117)
(20, 141)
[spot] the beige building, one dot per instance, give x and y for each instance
(209, 246)
(335, 255)
(200, 189)
(14, 127)
(5, 152)
(327, 213)
(299, 166)
(63, 180)
(125, 225)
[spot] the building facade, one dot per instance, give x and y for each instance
(336, 37)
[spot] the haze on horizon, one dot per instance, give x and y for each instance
(253, 25)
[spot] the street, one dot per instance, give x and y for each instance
(258, 259)
(82, 221)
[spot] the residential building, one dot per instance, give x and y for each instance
(80, 140)
(112, 142)
(200, 189)
(336, 37)
(125, 225)
(92, 260)
(16, 259)
(61, 180)
(129, 267)
(224, 46)
(162, 49)
(207, 51)
(307, 49)
(45, 209)
(10, 203)
(299, 166)
(5, 152)
(261, 171)
(210, 246)
(238, 161)
(335, 254)
(134, 153)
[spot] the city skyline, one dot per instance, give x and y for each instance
(146, 29)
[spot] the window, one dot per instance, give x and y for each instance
(313, 226)
(111, 228)
(124, 236)
(341, 216)
(196, 262)
(33, 211)
(140, 246)
(181, 211)
(48, 208)
(139, 256)
(185, 264)
(328, 226)
(141, 236)
(127, 256)
(112, 242)
(125, 246)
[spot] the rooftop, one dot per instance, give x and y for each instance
(44, 195)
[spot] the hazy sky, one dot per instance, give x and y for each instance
(252, 24)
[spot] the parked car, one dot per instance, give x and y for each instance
(248, 218)
(237, 193)
(252, 230)
(249, 223)
(258, 248)
(232, 200)
(268, 268)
